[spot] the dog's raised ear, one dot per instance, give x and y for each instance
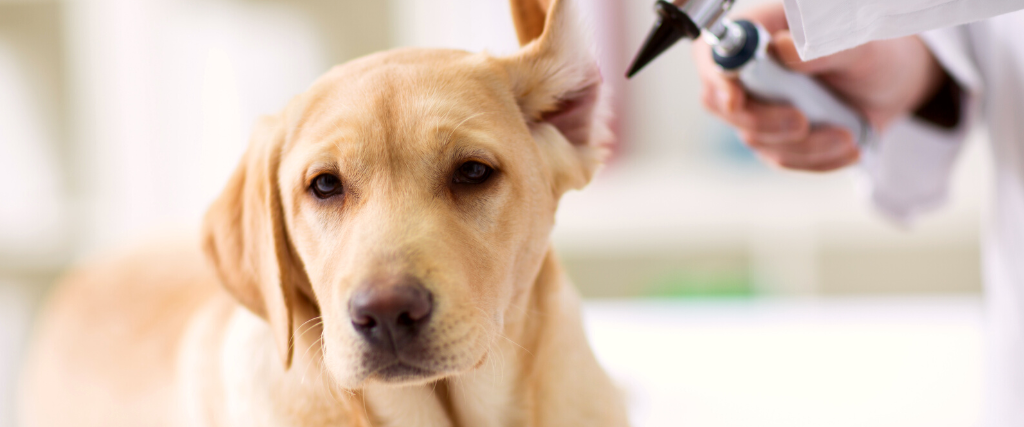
(528, 17)
(244, 236)
(557, 84)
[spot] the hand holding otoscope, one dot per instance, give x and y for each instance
(802, 115)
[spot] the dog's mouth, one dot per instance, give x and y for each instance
(400, 371)
(419, 365)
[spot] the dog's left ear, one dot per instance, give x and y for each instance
(245, 237)
(557, 84)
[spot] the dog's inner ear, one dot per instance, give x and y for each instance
(555, 76)
(528, 17)
(573, 115)
(556, 80)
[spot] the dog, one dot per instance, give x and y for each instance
(380, 257)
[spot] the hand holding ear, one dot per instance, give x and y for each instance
(883, 80)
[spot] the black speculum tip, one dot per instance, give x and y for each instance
(672, 25)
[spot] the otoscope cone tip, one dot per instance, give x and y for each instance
(672, 25)
(661, 37)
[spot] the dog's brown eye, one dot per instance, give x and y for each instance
(326, 185)
(472, 173)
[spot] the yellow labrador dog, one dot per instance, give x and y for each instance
(380, 257)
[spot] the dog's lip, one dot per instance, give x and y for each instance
(393, 360)
(402, 370)
(401, 361)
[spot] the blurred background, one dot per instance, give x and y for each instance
(721, 292)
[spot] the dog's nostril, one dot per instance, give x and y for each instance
(364, 322)
(405, 319)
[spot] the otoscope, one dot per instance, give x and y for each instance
(740, 48)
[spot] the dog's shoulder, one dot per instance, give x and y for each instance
(113, 325)
(165, 277)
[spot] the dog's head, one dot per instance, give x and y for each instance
(407, 199)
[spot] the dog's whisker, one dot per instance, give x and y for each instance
(498, 361)
(515, 343)
(444, 118)
(320, 379)
(491, 350)
(494, 366)
(449, 134)
(527, 310)
(305, 371)
(366, 412)
(310, 361)
(314, 318)
(317, 321)
(504, 365)
(327, 383)
(302, 333)
(311, 345)
(433, 93)
(295, 340)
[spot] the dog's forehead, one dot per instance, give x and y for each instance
(404, 96)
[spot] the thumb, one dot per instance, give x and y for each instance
(784, 48)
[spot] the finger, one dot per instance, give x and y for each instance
(821, 142)
(762, 123)
(837, 163)
(825, 149)
(721, 95)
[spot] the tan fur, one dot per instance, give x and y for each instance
(261, 335)
(528, 16)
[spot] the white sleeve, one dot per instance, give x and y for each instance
(824, 27)
(907, 170)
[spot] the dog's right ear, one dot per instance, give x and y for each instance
(557, 85)
(244, 236)
(528, 17)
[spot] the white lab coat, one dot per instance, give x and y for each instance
(908, 170)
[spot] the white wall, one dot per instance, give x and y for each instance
(165, 94)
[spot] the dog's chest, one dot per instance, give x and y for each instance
(254, 390)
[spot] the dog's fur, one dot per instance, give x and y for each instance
(264, 337)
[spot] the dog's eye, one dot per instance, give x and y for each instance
(472, 173)
(326, 185)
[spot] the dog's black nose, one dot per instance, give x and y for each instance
(391, 315)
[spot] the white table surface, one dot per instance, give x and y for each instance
(15, 317)
(904, 362)
(753, 363)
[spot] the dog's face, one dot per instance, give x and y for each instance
(407, 198)
(413, 184)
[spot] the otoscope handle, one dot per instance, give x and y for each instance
(766, 79)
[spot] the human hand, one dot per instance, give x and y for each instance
(883, 80)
